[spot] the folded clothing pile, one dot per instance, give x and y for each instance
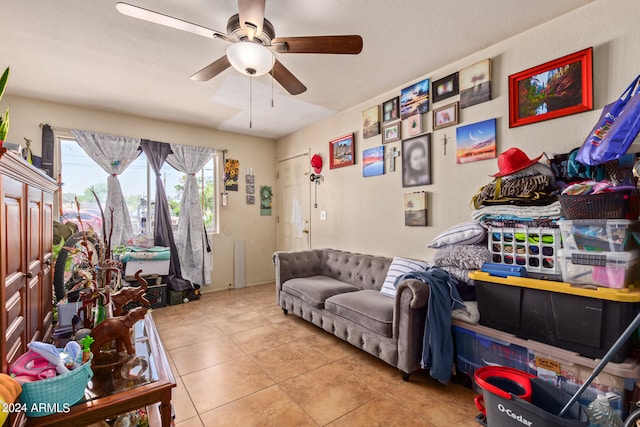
(522, 191)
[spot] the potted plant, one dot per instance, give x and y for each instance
(4, 119)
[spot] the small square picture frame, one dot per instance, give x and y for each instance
(445, 87)
(391, 132)
(446, 116)
(391, 110)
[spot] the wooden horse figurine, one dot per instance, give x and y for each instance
(118, 329)
(129, 293)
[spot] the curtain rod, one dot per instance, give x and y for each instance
(67, 130)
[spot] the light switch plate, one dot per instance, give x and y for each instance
(323, 215)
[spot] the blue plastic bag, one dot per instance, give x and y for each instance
(616, 129)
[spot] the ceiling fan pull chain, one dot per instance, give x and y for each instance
(250, 101)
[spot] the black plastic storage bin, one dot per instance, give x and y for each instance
(587, 321)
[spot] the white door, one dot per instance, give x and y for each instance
(294, 200)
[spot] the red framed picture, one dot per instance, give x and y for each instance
(341, 151)
(554, 89)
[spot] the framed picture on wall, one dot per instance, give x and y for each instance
(416, 161)
(445, 116)
(554, 89)
(415, 209)
(391, 110)
(445, 88)
(391, 132)
(476, 141)
(414, 99)
(341, 151)
(475, 84)
(371, 122)
(373, 161)
(414, 125)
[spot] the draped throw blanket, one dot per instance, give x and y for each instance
(114, 154)
(191, 240)
(437, 350)
(157, 153)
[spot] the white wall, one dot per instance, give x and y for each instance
(366, 214)
(238, 221)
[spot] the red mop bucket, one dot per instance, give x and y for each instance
(503, 382)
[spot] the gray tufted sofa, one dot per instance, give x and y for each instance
(340, 292)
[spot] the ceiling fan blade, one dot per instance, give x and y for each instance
(287, 79)
(168, 21)
(251, 14)
(212, 70)
(346, 45)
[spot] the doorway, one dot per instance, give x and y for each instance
(293, 208)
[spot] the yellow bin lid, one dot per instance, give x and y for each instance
(619, 295)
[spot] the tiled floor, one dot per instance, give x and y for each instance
(239, 361)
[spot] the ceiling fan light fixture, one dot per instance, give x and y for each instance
(250, 58)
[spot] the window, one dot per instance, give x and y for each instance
(80, 175)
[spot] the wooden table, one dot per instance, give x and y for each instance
(155, 395)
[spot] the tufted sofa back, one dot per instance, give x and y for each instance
(363, 271)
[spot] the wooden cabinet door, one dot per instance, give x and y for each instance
(34, 264)
(46, 306)
(13, 271)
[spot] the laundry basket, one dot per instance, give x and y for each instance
(55, 394)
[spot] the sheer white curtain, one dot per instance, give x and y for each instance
(114, 154)
(191, 236)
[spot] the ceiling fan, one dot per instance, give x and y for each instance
(253, 42)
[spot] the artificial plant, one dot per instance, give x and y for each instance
(4, 119)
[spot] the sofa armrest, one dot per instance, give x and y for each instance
(409, 319)
(290, 265)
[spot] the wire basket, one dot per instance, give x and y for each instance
(55, 394)
(614, 205)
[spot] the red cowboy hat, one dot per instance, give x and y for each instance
(316, 162)
(512, 161)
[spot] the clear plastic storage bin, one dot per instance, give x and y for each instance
(610, 269)
(610, 235)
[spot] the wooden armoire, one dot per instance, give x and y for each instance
(26, 241)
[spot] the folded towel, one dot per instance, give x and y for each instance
(553, 210)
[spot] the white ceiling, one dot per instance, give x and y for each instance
(86, 53)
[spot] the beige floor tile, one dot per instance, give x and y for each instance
(328, 393)
(373, 371)
(191, 422)
(204, 354)
(224, 383)
(383, 412)
(180, 335)
(330, 346)
(439, 404)
(268, 407)
(288, 360)
(238, 322)
(269, 336)
(181, 401)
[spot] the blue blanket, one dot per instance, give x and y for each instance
(437, 348)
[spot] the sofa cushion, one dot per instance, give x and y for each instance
(367, 308)
(398, 267)
(315, 290)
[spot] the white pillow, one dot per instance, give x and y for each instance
(466, 233)
(398, 267)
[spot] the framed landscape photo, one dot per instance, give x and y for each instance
(371, 122)
(475, 84)
(341, 151)
(373, 161)
(445, 87)
(391, 110)
(414, 99)
(554, 89)
(391, 132)
(415, 209)
(445, 116)
(416, 161)
(476, 141)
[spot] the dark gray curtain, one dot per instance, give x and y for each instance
(157, 153)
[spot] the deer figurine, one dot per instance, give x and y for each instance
(118, 329)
